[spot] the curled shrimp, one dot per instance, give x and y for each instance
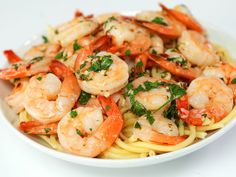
(162, 131)
(104, 81)
(160, 23)
(15, 99)
(73, 30)
(47, 99)
(154, 98)
(87, 133)
(173, 67)
(182, 14)
(196, 49)
(36, 60)
(127, 36)
(210, 98)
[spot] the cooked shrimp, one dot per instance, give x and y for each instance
(175, 68)
(72, 30)
(15, 99)
(160, 23)
(85, 132)
(182, 14)
(110, 78)
(47, 99)
(43, 50)
(162, 131)
(197, 50)
(154, 98)
(36, 60)
(129, 37)
(11, 56)
(210, 97)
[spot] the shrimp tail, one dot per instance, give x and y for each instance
(110, 129)
(165, 139)
(161, 60)
(140, 64)
(59, 69)
(187, 20)
(12, 73)
(11, 56)
(37, 128)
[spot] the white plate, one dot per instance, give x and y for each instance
(8, 115)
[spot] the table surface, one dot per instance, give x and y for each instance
(20, 20)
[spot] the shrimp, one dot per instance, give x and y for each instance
(14, 100)
(47, 99)
(162, 131)
(36, 60)
(210, 98)
(129, 37)
(154, 98)
(196, 49)
(182, 14)
(160, 23)
(170, 64)
(102, 74)
(73, 30)
(86, 133)
(11, 56)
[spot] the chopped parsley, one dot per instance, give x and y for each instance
(159, 20)
(47, 130)
(103, 63)
(127, 52)
(45, 39)
(204, 115)
(79, 132)
(154, 52)
(179, 60)
(36, 59)
(138, 109)
(59, 55)
(109, 20)
(233, 81)
(39, 78)
(137, 125)
(83, 77)
(76, 46)
(84, 97)
(163, 74)
(139, 64)
(107, 107)
(16, 79)
(83, 65)
(15, 66)
(90, 129)
(172, 111)
(73, 113)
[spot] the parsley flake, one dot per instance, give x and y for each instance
(127, 52)
(139, 64)
(59, 55)
(84, 98)
(159, 20)
(107, 107)
(76, 46)
(73, 113)
(233, 81)
(39, 78)
(45, 39)
(137, 125)
(79, 132)
(47, 130)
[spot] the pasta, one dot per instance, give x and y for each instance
(122, 87)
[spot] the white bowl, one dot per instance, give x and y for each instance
(10, 117)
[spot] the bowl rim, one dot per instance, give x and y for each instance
(122, 163)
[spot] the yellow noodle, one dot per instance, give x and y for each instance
(165, 148)
(181, 128)
(200, 135)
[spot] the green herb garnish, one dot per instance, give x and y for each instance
(180, 61)
(107, 107)
(84, 98)
(76, 46)
(159, 20)
(73, 113)
(59, 55)
(39, 78)
(127, 52)
(45, 39)
(172, 111)
(36, 59)
(47, 130)
(233, 81)
(137, 125)
(139, 64)
(79, 132)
